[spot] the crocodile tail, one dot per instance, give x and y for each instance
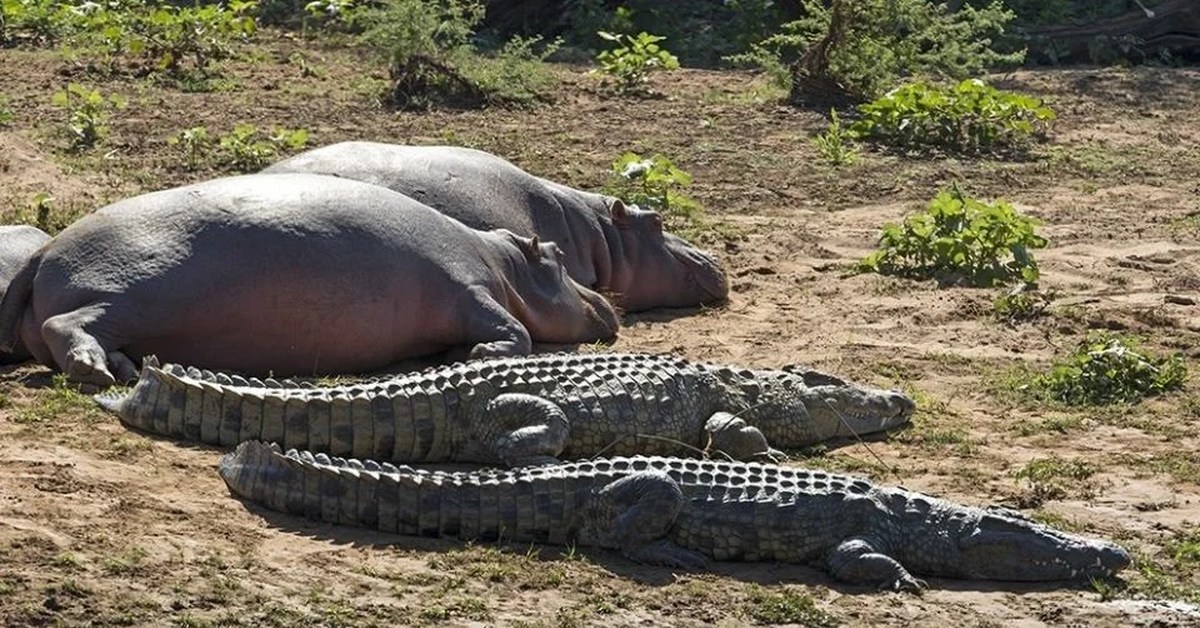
(14, 301)
(139, 407)
(255, 471)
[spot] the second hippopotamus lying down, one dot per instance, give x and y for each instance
(287, 273)
(17, 243)
(609, 247)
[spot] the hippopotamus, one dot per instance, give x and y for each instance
(610, 247)
(17, 243)
(277, 274)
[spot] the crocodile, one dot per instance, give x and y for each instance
(680, 513)
(517, 411)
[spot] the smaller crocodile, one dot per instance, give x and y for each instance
(517, 411)
(680, 513)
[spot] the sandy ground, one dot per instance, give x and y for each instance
(102, 526)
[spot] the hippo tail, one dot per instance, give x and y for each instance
(14, 301)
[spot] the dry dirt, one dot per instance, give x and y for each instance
(103, 526)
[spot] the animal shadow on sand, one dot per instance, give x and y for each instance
(762, 573)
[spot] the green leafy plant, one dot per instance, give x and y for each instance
(195, 143)
(1021, 304)
(629, 64)
(959, 240)
(1107, 369)
(970, 116)
(87, 114)
(654, 183)
(246, 149)
(331, 13)
(835, 145)
(6, 114)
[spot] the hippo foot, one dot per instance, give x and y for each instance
(84, 367)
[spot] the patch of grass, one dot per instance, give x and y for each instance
(1169, 579)
(1106, 369)
(1056, 478)
(1180, 466)
(61, 401)
(127, 564)
(1021, 305)
(463, 607)
(786, 606)
(936, 425)
(1059, 424)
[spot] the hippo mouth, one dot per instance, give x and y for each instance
(704, 272)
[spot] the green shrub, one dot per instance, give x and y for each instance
(246, 149)
(654, 183)
(427, 46)
(87, 114)
(1106, 369)
(35, 21)
(630, 64)
(835, 145)
(885, 40)
(195, 144)
(959, 240)
(970, 116)
(1020, 304)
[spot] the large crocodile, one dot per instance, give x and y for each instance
(680, 512)
(518, 411)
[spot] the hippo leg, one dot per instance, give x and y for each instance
(82, 355)
(523, 430)
(492, 329)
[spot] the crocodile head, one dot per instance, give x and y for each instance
(1003, 545)
(1000, 544)
(836, 407)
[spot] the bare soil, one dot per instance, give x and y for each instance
(103, 526)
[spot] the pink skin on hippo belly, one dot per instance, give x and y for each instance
(608, 247)
(17, 244)
(289, 274)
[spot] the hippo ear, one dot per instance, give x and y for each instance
(620, 214)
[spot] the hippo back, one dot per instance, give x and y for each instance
(479, 189)
(17, 244)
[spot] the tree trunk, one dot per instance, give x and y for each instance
(812, 85)
(1136, 36)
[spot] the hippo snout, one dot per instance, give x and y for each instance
(705, 271)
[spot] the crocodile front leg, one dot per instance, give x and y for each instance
(731, 435)
(857, 561)
(523, 430)
(634, 514)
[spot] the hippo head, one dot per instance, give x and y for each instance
(551, 305)
(661, 269)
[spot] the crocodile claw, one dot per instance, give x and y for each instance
(667, 554)
(907, 583)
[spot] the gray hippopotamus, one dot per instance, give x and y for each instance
(17, 244)
(610, 247)
(287, 274)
